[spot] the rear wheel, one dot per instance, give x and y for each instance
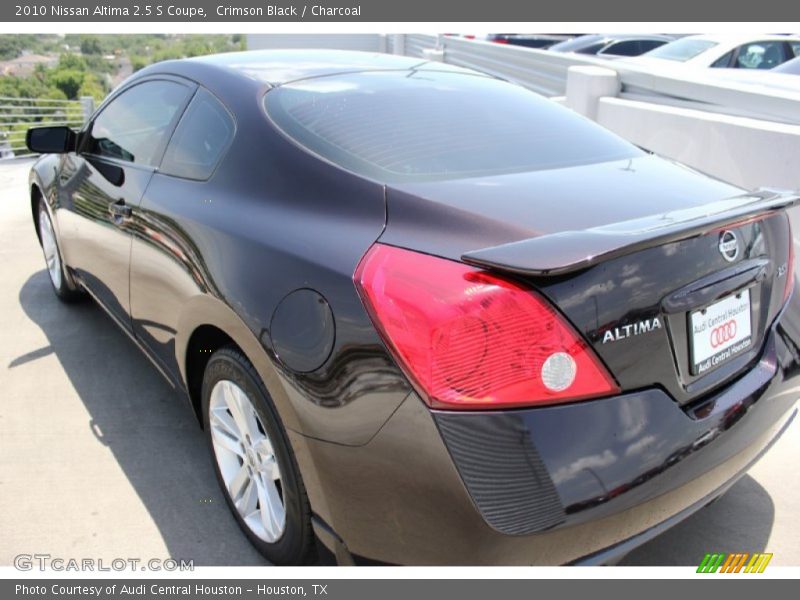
(62, 283)
(253, 462)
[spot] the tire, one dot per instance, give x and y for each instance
(245, 466)
(63, 286)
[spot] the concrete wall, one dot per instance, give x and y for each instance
(747, 152)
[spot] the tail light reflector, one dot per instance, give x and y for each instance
(470, 339)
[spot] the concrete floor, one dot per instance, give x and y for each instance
(100, 458)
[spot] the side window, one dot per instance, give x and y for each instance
(593, 49)
(647, 45)
(723, 61)
(760, 55)
(795, 48)
(624, 48)
(202, 136)
(135, 125)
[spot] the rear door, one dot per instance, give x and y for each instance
(102, 184)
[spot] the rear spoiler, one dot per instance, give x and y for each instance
(570, 251)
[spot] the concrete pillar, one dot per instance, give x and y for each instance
(586, 84)
(399, 43)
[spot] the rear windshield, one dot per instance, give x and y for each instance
(418, 126)
(682, 50)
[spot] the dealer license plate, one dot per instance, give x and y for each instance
(720, 332)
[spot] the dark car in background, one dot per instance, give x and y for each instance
(426, 316)
(612, 45)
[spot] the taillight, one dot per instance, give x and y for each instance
(469, 339)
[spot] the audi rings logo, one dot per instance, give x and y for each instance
(728, 245)
(722, 334)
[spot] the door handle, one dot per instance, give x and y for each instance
(119, 210)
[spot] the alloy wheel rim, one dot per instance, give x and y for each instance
(246, 460)
(50, 249)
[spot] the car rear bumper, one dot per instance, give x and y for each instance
(615, 553)
(579, 483)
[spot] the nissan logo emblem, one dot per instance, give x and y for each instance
(728, 245)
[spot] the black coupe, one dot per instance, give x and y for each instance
(426, 316)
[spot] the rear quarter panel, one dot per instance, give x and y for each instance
(272, 219)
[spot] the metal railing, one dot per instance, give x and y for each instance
(17, 115)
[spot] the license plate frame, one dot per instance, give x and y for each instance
(720, 331)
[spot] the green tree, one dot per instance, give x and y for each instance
(91, 73)
(71, 61)
(68, 81)
(92, 86)
(90, 44)
(10, 47)
(139, 62)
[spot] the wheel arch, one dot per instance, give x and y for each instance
(207, 324)
(35, 195)
(41, 179)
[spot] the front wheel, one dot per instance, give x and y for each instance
(253, 461)
(62, 285)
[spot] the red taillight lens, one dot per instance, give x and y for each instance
(469, 339)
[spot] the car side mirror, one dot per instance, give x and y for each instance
(50, 140)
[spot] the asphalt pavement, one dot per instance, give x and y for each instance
(100, 458)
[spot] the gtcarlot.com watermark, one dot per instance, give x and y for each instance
(44, 562)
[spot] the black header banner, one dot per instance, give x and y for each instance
(373, 11)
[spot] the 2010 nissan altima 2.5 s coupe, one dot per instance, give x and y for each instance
(426, 316)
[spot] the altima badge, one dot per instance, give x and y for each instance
(728, 245)
(625, 331)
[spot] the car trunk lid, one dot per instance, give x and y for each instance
(648, 284)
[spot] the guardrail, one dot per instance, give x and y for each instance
(19, 114)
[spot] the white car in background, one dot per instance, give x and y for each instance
(722, 51)
(789, 68)
(783, 78)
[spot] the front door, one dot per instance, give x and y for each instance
(102, 184)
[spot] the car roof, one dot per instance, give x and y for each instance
(277, 67)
